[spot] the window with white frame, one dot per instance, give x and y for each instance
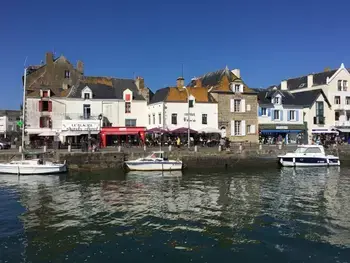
(276, 114)
(154, 118)
(292, 115)
(238, 128)
(87, 95)
(263, 111)
(160, 118)
(347, 100)
(276, 100)
(149, 119)
(249, 129)
(237, 88)
(204, 119)
(345, 85)
(237, 106)
(174, 118)
(339, 85)
(337, 100)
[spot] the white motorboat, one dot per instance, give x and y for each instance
(308, 155)
(32, 167)
(157, 161)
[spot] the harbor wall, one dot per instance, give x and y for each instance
(191, 160)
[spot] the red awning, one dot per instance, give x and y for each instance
(120, 132)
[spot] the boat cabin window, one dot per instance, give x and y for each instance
(313, 150)
(156, 155)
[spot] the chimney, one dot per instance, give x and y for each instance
(180, 82)
(140, 83)
(237, 72)
(284, 85)
(310, 80)
(49, 58)
(80, 67)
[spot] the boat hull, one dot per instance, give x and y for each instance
(288, 161)
(154, 166)
(32, 169)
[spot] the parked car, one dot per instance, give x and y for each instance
(5, 145)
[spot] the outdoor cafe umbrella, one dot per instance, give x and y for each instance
(157, 130)
(183, 130)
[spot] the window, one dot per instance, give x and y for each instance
(149, 119)
(263, 111)
(319, 109)
(347, 100)
(87, 96)
(66, 74)
(45, 105)
(292, 115)
(237, 128)
(130, 122)
(276, 114)
(345, 85)
(237, 88)
(45, 93)
(154, 118)
(174, 118)
(45, 122)
(160, 118)
(249, 129)
(337, 100)
(190, 103)
(204, 119)
(237, 106)
(127, 107)
(87, 111)
(339, 85)
(336, 115)
(276, 100)
(248, 107)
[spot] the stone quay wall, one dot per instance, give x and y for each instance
(245, 158)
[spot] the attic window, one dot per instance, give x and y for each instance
(276, 100)
(237, 88)
(66, 74)
(45, 93)
(87, 96)
(302, 85)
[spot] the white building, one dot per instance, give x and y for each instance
(169, 109)
(85, 107)
(8, 121)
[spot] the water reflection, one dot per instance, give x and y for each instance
(266, 209)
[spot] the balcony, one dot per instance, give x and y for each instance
(77, 116)
(342, 124)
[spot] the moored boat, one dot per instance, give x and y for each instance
(308, 155)
(157, 161)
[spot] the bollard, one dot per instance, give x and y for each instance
(169, 148)
(145, 148)
(195, 148)
(45, 148)
(240, 148)
(119, 148)
(20, 149)
(69, 148)
(220, 149)
(280, 146)
(260, 146)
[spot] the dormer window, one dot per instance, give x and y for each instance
(66, 74)
(277, 100)
(86, 93)
(236, 87)
(87, 96)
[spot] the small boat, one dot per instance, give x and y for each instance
(34, 166)
(308, 155)
(157, 161)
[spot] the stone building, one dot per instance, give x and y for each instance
(237, 104)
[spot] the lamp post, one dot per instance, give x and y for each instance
(188, 118)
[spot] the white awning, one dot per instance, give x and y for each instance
(344, 130)
(91, 132)
(48, 133)
(209, 130)
(325, 132)
(70, 133)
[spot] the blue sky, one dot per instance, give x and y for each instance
(267, 40)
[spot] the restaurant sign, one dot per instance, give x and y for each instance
(281, 127)
(74, 125)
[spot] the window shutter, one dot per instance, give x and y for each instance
(40, 122)
(272, 114)
(40, 106)
(243, 128)
(281, 113)
(297, 115)
(260, 111)
(248, 107)
(232, 105)
(232, 128)
(288, 115)
(268, 112)
(252, 129)
(242, 105)
(50, 106)
(241, 89)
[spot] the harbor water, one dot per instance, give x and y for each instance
(271, 215)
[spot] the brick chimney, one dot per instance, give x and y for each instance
(80, 67)
(49, 58)
(310, 80)
(140, 83)
(180, 82)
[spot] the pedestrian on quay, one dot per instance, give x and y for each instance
(178, 142)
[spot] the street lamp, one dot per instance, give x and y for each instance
(188, 118)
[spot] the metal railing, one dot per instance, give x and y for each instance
(78, 116)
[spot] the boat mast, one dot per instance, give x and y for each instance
(23, 109)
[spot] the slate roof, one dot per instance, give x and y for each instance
(160, 95)
(106, 88)
(265, 97)
(11, 113)
(307, 98)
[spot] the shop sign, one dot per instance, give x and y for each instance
(81, 126)
(191, 119)
(281, 127)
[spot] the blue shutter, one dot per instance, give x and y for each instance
(260, 111)
(297, 115)
(288, 115)
(281, 113)
(272, 117)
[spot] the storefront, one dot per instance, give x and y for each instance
(272, 133)
(72, 130)
(121, 135)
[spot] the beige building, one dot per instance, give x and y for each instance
(237, 104)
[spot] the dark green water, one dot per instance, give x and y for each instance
(254, 216)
